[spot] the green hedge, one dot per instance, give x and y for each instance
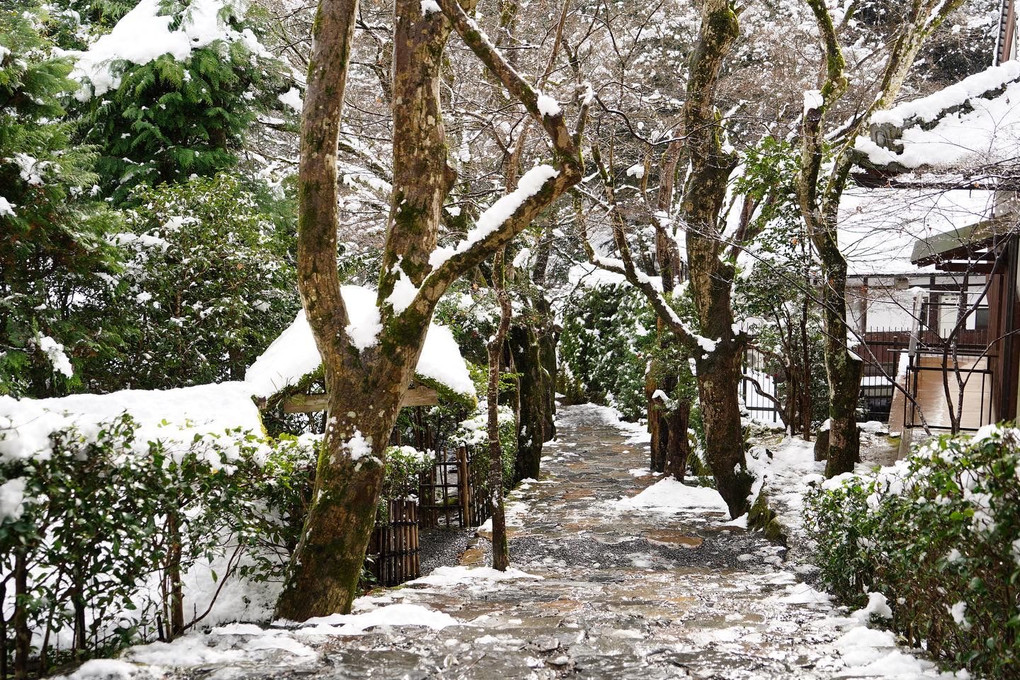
(98, 534)
(939, 535)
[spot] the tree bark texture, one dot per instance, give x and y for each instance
(500, 546)
(526, 348)
(365, 386)
(711, 273)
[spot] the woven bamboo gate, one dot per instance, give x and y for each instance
(394, 550)
(449, 494)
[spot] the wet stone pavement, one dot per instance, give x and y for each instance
(622, 594)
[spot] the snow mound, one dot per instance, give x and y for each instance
(390, 615)
(670, 495)
(449, 576)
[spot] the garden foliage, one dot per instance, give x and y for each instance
(605, 346)
(939, 535)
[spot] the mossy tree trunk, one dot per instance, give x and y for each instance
(526, 347)
(819, 196)
(500, 546)
(365, 383)
(716, 349)
(711, 270)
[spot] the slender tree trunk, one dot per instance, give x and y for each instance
(22, 631)
(500, 547)
(174, 589)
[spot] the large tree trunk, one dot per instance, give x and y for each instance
(718, 361)
(364, 385)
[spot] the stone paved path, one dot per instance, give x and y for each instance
(621, 595)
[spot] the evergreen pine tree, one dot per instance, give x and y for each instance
(53, 253)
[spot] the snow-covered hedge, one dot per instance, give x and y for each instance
(107, 537)
(939, 535)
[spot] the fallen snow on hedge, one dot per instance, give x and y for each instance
(162, 415)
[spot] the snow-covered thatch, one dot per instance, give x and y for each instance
(293, 356)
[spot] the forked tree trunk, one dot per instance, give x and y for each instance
(365, 381)
(711, 278)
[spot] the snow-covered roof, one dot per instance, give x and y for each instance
(294, 355)
(972, 124)
(878, 228)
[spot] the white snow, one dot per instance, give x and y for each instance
(987, 134)
(456, 576)
(6, 208)
(107, 669)
(144, 34)
(174, 415)
(403, 294)
(429, 7)
(358, 446)
(441, 361)
(672, 495)
(547, 106)
(54, 351)
(637, 171)
(877, 606)
(12, 500)
(389, 615)
(499, 212)
(294, 354)
(292, 99)
(878, 228)
(813, 100)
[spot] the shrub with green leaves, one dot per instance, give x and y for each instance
(404, 467)
(607, 339)
(106, 524)
(939, 535)
(178, 115)
(207, 285)
(54, 256)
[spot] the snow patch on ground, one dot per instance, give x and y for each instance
(455, 576)
(671, 495)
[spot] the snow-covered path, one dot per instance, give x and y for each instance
(605, 589)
